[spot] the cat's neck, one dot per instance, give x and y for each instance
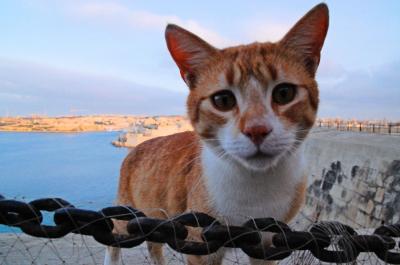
(236, 191)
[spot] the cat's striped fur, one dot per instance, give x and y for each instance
(238, 163)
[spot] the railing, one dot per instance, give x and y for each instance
(381, 128)
(319, 239)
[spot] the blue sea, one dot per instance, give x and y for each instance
(82, 168)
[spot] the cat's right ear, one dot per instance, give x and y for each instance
(188, 51)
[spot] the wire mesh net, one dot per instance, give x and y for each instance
(359, 196)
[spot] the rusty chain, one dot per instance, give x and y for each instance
(319, 239)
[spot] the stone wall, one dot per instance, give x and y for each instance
(354, 178)
(361, 197)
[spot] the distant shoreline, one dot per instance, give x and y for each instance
(80, 124)
(67, 132)
(119, 123)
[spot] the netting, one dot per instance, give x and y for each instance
(356, 195)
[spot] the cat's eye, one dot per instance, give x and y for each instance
(284, 93)
(223, 100)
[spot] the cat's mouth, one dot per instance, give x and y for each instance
(260, 155)
(259, 160)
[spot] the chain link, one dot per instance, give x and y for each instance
(320, 239)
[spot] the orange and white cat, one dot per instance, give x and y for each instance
(251, 107)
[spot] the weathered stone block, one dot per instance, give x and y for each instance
(396, 218)
(378, 211)
(388, 198)
(362, 218)
(370, 207)
(336, 190)
(389, 180)
(339, 202)
(362, 188)
(379, 195)
(352, 211)
(367, 207)
(379, 180)
(396, 187)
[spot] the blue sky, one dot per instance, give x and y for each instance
(84, 57)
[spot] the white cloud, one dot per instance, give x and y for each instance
(330, 69)
(265, 30)
(362, 94)
(330, 73)
(120, 15)
(34, 88)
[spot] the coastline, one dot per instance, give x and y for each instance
(62, 132)
(78, 124)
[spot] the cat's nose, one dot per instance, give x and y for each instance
(257, 133)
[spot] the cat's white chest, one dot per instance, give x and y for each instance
(238, 194)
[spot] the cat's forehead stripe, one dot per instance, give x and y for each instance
(239, 72)
(230, 75)
(260, 73)
(272, 71)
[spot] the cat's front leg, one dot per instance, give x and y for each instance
(212, 259)
(113, 254)
(266, 242)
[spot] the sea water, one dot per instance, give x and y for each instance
(82, 168)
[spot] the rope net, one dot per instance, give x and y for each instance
(364, 230)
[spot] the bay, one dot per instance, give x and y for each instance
(82, 168)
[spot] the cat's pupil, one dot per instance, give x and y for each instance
(284, 93)
(224, 100)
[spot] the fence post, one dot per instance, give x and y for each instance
(373, 128)
(360, 127)
(390, 128)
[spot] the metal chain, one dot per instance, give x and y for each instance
(319, 239)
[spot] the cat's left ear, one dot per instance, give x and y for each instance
(308, 36)
(188, 51)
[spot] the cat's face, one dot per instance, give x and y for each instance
(255, 103)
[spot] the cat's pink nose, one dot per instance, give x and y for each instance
(257, 133)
